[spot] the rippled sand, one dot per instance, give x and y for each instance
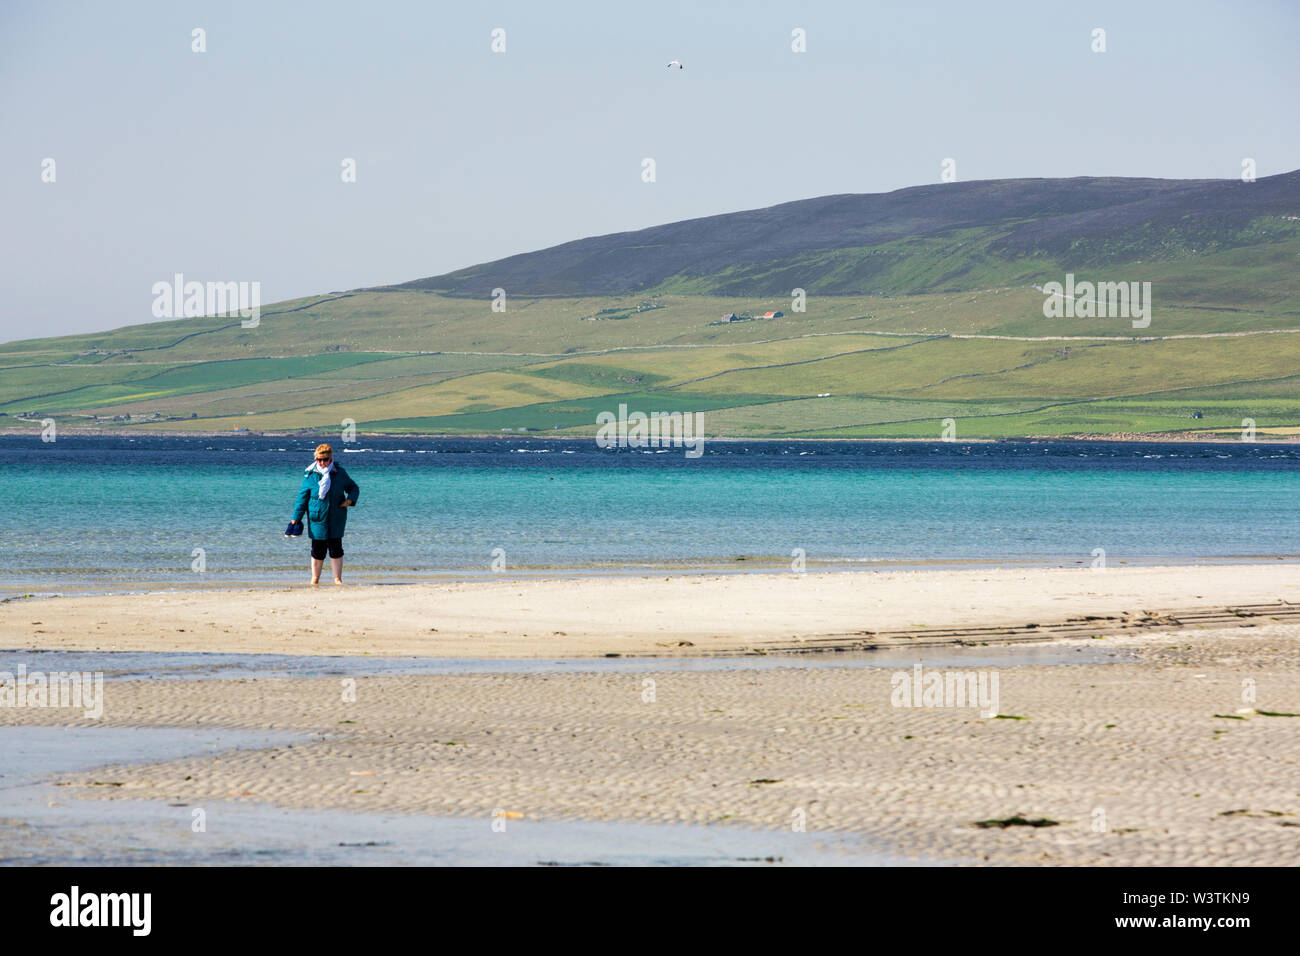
(1128, 757)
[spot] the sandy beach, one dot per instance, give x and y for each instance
(1180, 747)
(1153, 760)
(651, 614)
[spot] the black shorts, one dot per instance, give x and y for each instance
(318, 546)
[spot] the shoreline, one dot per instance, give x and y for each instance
(362, 576)
(650, 614)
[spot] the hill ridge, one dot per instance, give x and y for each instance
(1015, 220)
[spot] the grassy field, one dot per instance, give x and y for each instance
(1222, 343)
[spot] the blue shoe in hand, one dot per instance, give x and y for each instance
(294, 530)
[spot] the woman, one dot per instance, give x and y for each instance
(326, 490)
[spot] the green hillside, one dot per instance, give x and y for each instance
(950, 326)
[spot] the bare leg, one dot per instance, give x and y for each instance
(336, 565)
(316, 565)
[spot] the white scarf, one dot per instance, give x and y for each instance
(323, 488)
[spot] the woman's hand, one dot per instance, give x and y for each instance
(346, 503)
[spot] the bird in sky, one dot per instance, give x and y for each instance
(675, 63)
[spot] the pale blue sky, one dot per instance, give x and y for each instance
(225, 165)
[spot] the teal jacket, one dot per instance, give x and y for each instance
(325, 516)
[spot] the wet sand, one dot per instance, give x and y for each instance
(1138, 761)
(42, 825)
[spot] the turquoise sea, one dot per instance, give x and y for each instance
(120, 513)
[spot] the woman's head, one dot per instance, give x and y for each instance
(324, 453)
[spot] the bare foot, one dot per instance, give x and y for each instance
(315, 581)
(338, 580)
